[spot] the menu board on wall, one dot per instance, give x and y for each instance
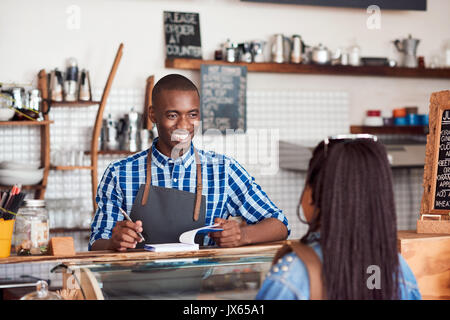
(182, 32)
(442, 192)
(223, 97)
(383, 4)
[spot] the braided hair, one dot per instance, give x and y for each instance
(353, 197)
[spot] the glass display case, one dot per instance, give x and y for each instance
(220, 277)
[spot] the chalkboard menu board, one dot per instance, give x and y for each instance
(223, 97)
(182, 31)
(436, 177)
(442, 193)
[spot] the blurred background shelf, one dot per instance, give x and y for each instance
(71, 168)
(24, 187)
(113, 152)
(72, 103)
(272, 67)
(423, 130)
(64, 230)
(25, 123)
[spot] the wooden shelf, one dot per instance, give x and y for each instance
(71, 168)
(63, 230)
(25, 187)
(271, 67)
(417, 130)
(26, 123)
(72, 103)
(112, 152)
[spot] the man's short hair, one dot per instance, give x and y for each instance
(172, 82)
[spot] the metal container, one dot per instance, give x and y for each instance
(297, 49)
(320, 54)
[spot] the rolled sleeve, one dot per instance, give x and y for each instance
(248, 200)
(109, 199)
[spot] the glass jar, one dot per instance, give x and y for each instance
(41, 293)
(31, 233)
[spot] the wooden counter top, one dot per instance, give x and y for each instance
(140, 254)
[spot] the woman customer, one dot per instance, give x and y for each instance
(348, 203)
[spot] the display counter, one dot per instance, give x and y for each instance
(191, 278)
(218, 273)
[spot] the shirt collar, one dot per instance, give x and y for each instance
(161, 160)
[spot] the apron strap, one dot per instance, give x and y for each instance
(198, 191)
(148, 181)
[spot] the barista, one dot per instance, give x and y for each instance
(172, 177)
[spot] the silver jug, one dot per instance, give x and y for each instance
(408, 47)
(297, 49)
(280, 51)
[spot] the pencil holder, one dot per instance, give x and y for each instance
(6, 231)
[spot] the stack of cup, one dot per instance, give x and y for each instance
(373, 118)
(400, 118)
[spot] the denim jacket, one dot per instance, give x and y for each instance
(288, 279)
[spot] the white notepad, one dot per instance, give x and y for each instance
(186, 241)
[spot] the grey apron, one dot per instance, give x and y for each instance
(166, 213)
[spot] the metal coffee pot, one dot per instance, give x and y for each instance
(280, 48)
(109, 134)
(298, 48)
(408, 47)
(130, 131)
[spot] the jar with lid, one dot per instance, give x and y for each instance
(31, 233)
(42, 293)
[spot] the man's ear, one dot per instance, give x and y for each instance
(151, 114)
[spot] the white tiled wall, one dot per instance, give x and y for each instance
(292, 115)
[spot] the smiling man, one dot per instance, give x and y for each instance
(173, 187)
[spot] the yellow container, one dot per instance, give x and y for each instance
(6, 231)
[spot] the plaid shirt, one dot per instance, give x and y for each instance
(228, 188)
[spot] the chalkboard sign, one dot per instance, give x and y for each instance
(442, 192)
(436, 181)
(383, 4)
(182, 31)
(223, 97)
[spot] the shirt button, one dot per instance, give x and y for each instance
(175, 180)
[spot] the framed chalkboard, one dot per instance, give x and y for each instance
(436, 181)
(182, 33)
(223, 97)
(383, 4)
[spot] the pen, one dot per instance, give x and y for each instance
(129, 219)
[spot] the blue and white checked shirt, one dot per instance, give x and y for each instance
(227, 186)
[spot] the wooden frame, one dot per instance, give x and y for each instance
(439, 102)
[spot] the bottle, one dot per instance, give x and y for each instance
(31, 233)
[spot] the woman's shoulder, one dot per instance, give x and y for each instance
(288, 278)
(409, 289)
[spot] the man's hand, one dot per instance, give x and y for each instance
(231, 236)
(124, 235)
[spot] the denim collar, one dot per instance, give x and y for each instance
(161, 160)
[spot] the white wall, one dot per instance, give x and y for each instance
(34, 35)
